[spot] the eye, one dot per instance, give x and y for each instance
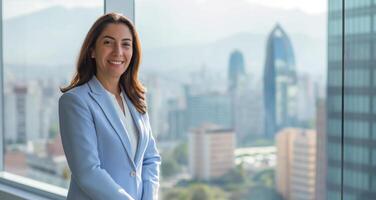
(126, 44)
(107, 42)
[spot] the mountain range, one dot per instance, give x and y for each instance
(183, 35)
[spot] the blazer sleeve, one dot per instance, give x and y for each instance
(150, 167)
(79, 140)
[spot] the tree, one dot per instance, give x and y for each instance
(53, 130)
(180, 153)
(205, 192)
(176, 194)
(257, 193)
(169, 167)
(265, 177)
(195, 191)
(233, 179)
(201, 192)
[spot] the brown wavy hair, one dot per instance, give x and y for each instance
(86, 67)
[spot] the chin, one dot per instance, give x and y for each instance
(117, 75)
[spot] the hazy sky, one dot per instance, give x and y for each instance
(309, 6)
(17, 7)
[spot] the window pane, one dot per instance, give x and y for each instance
(237, 96)
(359, 129)
(41, 44)
(333, 145)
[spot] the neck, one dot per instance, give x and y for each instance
(110, 84)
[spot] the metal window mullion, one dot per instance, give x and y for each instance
(343, 97)
(2, 128)
(126, 7)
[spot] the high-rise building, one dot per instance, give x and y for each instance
(306, 100)
(235, 69)
(210, 107)
(280, 83)
(197, 108)
(248, 110)
(237, 86)
(246, 100)
(156, 112)
(211, 151)
(49, 108)
(359, 127)
(177, 122)
(296, 163)
(23, 107)
(321, 157)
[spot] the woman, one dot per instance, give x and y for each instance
(104, 123)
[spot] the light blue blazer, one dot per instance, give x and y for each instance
(98, 148)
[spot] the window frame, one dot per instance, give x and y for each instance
(23, 187)
(27, 188)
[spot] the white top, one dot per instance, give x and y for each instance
(126, 120)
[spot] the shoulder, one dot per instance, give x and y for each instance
(79, 90)
(78, 93)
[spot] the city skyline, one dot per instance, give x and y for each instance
(187, 86)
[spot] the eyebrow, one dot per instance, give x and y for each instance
(112, 38)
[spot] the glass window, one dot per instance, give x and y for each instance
(334, 153)
(334, 195)
(356, 154)
(334, 127)
(373, 178)
(357, 103)
(357, 3)
(349, 196)
(41, 42)
(374, 131)
(358, 122)
(334, 27)
(335, 78)
(358, 25)
(217, 69)
(334, 104)
(335, 5)
(334, 53)
(353, 104)
(373, 157)
(357, 77)
(335, 175)
(356, 129)
(248, 89)
(356, 179)
(358, 51)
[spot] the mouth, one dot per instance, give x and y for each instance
(115, 62)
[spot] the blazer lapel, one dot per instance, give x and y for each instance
(140, 124)
(99, 94)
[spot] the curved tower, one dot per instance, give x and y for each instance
(280, 80)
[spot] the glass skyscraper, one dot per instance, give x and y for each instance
(280, 83)
(236, 69)
(359, 128)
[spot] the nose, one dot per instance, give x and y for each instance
(118, 49)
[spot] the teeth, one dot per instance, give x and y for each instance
(116, 62)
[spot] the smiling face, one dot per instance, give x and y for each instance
(113, 51)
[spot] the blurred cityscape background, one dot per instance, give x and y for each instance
(245, 97)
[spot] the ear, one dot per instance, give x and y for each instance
(92, 54)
